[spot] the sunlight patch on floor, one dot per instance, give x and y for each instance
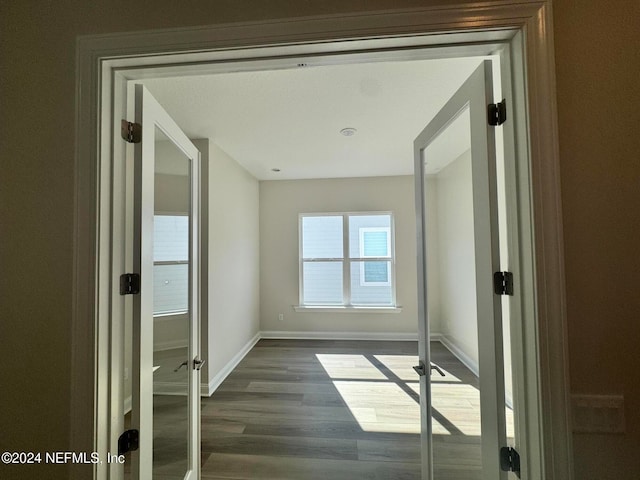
(380, 406)
(349, 366)
(400, 365)
(384, 398)
(459, 404)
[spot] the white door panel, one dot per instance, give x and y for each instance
(165, 343)
(455, 156)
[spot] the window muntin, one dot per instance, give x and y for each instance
(170, 264)
(347, 259)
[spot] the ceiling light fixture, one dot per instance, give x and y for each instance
(348, 132)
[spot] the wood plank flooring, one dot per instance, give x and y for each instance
(339, 410)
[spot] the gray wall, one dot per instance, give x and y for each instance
(280, 204)
(456, 256)
(234, 252)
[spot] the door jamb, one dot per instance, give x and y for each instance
(536, 141)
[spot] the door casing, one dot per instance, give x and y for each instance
(520, 33)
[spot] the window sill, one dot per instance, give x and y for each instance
(337, 309)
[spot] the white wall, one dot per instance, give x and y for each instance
(456, 257)
(234, 252)
(171, 194)
(280, 204)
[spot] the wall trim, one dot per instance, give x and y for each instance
(301, 335)
(214, 383)
(458, 353)
(207, 389)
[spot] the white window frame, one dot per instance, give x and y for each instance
(346, 261)
(361, 234)
(168, 313)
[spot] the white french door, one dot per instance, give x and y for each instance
(166, 362)
(456, 203)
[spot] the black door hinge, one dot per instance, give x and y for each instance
(510, 460)
(131, 132)
(503, 283)
(128, 441)
(129, 284)
(497, 113)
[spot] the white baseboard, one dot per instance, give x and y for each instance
(287, 335)
(208, 389)
(458, 353)
(435, 337)
(170, 345)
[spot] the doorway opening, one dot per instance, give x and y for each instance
(261, 123)
(123, 77)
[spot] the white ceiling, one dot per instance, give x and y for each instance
(291, 119)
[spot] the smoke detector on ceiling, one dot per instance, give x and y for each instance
(348, 132)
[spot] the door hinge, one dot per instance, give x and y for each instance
(510, 460)
(497, 113)
(503, 283)
(128, 441)
(129, 284)
(131, 132)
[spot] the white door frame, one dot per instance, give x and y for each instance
(106, 62)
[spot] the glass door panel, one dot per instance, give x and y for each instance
(171, 314)
(452, 309)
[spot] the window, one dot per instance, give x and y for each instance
(346, 259)
(170, 264)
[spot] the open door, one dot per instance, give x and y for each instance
(166, 363)
(455, 169)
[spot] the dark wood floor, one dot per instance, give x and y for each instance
(339, 410)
